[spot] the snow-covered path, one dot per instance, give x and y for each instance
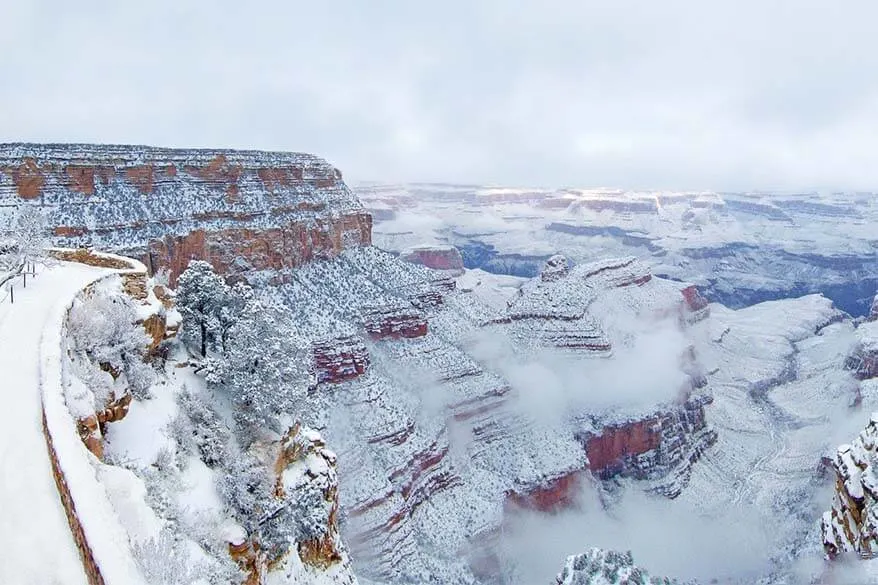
(36, 545)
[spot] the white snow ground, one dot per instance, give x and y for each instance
(35, 539)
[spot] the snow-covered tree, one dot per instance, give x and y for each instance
(24, 241)
(208, 305)
(103, 328)
(263, 366)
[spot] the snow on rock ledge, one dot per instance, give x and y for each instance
(446, 258)
(864, 359)
(243, 211)
(851, 526)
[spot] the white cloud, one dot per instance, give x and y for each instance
(678, 94)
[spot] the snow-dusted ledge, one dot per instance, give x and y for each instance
(102, 541)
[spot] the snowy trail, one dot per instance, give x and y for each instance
(36, 545)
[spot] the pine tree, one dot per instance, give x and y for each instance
(208, 305)
(262, 367)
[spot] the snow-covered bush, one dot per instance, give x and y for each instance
(164, 561)
(103, 328)
(200, 430)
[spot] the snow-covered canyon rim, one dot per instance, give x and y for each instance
(468, 418)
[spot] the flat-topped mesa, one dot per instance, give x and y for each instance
(438, 257)
(243, 211)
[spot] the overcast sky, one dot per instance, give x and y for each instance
(735, 94)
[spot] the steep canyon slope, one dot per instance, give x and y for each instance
(456, 410)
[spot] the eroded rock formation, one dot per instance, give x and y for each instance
(446, 258)
(663, 446)
(863, 361)
(243, 211)
(851, 525)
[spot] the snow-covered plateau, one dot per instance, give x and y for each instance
(510, 387)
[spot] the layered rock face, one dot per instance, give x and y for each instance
(243, 211)
(851, 526)
(669, 441)
(445, 258)
(433, 447)
(554, 310)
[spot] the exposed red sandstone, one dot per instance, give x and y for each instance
(141, 176)
(395, 324)
(693, 299)
(27, 177)
(339, 360)
(436, 257)
(609, 449)
(82, 178)
(648, 448)
(254, 210)
(553, 495)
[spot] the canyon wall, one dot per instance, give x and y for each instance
(243, 211)
(851, 525)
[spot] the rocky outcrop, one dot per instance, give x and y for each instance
(556, 268)
(305, 491)
(851, 525)
(603, 567)
(339, 360)
(391, 323)
(243, 211)
(863, 361)
(156, 326)
(695, 306)
(661, 447)
(549, 495)
(873, 312)
(446, 258)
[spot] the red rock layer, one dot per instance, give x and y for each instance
(278, 248)
(693, 299)
(339, 360)
(439, 258)
(610, 448)
(555, 494)
(240, 210)
(649, 448)
(395, 325)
